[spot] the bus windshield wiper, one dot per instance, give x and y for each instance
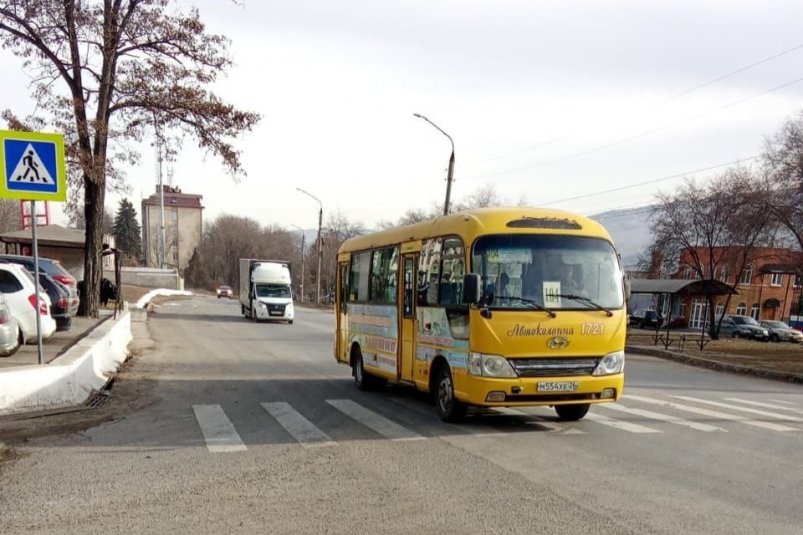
(587, 301)
(530, 302)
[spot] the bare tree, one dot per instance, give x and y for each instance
(227, 239)
(783, 163)
(124, 65)
(482, 197)
(9, 215)
(706, 227)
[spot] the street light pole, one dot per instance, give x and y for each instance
(320, 249)
(450, 172)
(302, 261)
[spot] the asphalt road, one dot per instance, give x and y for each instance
(224, 425)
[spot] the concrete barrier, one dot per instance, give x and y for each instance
(83, 369)
(71, 378)
(148, 277)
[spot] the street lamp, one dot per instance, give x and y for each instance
(446, 205)
(302, 261)
(320, 250)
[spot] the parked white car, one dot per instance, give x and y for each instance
(18, 287)
(9, 330)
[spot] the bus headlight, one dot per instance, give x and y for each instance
(610, 364)
(489, 365)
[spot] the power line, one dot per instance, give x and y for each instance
(646, 182)
(672, 97)
(640, 135)
(732, 73)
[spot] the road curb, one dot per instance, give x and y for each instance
(716, 365)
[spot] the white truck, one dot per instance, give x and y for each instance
(265, 291)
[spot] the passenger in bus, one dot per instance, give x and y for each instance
(569, 282)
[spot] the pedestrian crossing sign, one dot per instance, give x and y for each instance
(33, 166)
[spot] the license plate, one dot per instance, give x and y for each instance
(272, 313)
(558, 386)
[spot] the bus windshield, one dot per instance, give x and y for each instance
(557, 272)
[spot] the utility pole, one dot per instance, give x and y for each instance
(320, 248)
(450, 173)
(302, 261)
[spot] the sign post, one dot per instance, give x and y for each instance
(33, 170)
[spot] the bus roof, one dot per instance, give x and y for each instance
(470, 224)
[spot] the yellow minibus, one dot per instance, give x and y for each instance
(493, 307)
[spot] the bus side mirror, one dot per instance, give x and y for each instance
(471, 289)
(627, 289)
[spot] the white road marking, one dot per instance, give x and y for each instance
(219, 433)
(380, 424)
(618, 424)
(663, 417)
(299, 427)
(742, 409)
(712, 414)
(781, 401)
(541, 421)
(766, 405)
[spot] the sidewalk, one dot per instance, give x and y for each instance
(57, 344)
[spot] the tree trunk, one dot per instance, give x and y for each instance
(93, 266)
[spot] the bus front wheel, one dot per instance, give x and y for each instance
(449, 408)
(572, 413)
(365, 381)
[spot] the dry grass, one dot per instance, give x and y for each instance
(783, 357)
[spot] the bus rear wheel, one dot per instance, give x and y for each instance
(448, 406)
(572, 413)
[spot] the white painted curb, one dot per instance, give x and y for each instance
(71, 378)
(83, 369)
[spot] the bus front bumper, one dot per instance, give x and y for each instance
(534, 391)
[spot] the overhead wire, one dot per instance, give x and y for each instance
(650, 131)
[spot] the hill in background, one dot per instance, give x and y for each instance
(630, 230)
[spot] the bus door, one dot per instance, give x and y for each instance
(340, 314)
(408, 319)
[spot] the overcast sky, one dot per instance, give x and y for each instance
(552, 102)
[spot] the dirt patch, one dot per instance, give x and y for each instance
(783, 357)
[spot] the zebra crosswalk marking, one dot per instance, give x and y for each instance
(618, 424)
(783, 417)
(765, 405)
(663, 417)
(541, 421)
(299, 427)
(781, 401)
(712, 414)
(385, 427)
(219, 433)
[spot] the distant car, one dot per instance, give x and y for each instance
(10, 337)
(645, 318)
(52, 268)
(743, 327)
(224, 291)
(781, 332)
(20, 292)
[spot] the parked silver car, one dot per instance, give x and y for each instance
(781, 332)
(10, 337)
(743, 327)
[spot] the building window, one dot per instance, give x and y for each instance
(797, 281)
(777, 278)
(755, 311)
(723, 273)
(689, 273)
(741, 308)
(720, 311)
(747, 275)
